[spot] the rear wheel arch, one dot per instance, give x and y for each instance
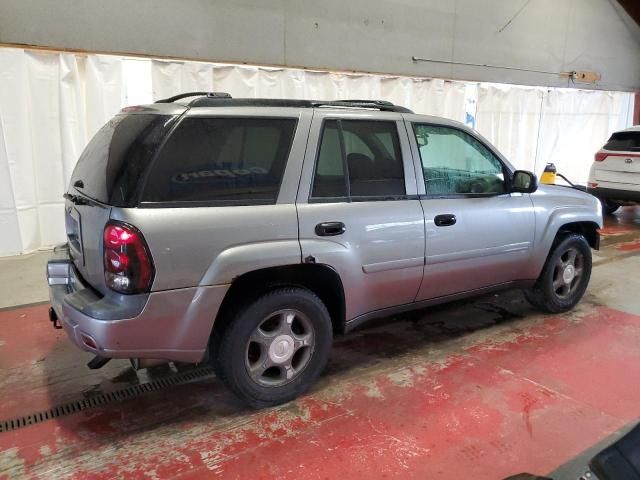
(321, 279)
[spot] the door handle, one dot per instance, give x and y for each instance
(330, 229)
(445, 220)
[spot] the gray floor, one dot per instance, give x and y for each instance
(22, 279)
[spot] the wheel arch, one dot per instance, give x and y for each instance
(556, 228)
(321, 279)
(588, 229)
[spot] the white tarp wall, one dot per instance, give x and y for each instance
(52, 103)
(534, 126)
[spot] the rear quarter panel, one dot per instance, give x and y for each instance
(211, 245)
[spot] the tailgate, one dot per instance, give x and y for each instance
(619, 167)
(107, 175)
(84, 226)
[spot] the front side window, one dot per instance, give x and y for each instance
(358, 160)
(234, 160)
(455, 163)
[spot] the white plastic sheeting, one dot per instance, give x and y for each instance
(510, 118)
(574, 125)
(52, 103)
(534, 126)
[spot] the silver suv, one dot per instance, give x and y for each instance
(247, 232)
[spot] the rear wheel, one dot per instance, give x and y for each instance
(564, 277)
(609, 206)
(274, 349)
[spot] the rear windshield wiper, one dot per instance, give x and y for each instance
(80, 200)
(77, 199)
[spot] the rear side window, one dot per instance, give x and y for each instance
(624, 141)
(231, 160)
(110, 167)
(358, 160)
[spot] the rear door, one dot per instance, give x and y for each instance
(477, 235)
(357, 208)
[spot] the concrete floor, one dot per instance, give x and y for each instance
(22, 279)
(479, 389)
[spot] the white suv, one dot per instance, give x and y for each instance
(615, 175)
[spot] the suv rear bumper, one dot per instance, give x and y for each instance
(171, 325)
(615, 194)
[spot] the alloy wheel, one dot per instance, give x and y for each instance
(280, 348)
(567, 273)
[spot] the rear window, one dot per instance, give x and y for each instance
(624, 141)
(230, 160)
(110, 167)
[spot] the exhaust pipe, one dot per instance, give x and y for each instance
(140, 363)
(97, 362)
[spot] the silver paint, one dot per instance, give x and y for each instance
(390, 254)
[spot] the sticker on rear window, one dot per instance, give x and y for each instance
(205, 175)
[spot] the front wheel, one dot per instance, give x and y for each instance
(564, 277)
(275, 348)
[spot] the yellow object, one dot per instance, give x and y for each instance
(549, 174)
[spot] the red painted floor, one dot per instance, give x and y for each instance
(481, 390)
(523, 400)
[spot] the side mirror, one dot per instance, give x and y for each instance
(524, 182)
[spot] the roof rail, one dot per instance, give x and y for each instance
(194, 94)
(366, 100)
(381, 105)
(205, 101)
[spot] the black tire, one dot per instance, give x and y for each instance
(546, 295)
(609, 206)
(236, 348)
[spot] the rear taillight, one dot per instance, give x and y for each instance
(600, 156)
(128, 267)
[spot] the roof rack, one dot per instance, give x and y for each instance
(381, 105)
(222, 99)
(194, 94)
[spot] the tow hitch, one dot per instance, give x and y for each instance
(54, 318)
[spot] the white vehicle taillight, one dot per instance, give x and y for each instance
(128, 267)
(600, 156)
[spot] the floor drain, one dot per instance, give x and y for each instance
(105, 399)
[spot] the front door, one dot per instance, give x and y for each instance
(358, 210)
(477, 234)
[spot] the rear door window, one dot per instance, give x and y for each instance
(624, 141)
(359, 160)
(230, 160)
